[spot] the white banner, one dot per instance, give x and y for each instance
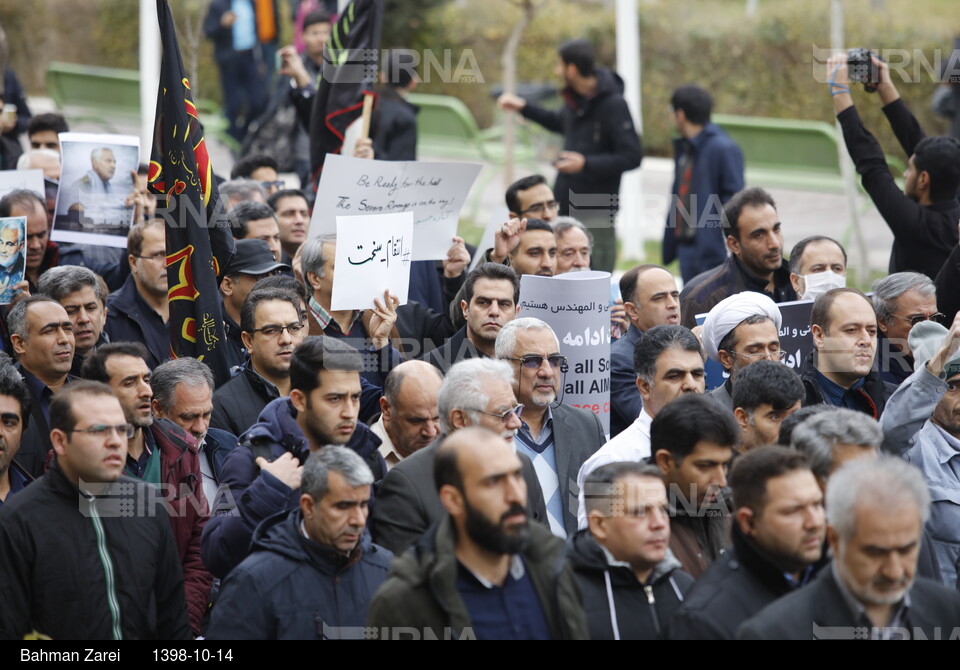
(577, 307)
(373, 254)
(434, 192)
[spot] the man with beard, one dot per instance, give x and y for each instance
(875, 514)
(484, 572)
(261, 477)
(755, 263)
(11, 254)
(738, 331)
(557, 438)
(14, 411)
(160, 453)
(777, 545)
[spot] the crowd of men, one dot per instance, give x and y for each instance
(414, 471)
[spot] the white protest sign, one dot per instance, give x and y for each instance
(373, 254)
(497, 219)
(434, 192)
(577, 306)
(15, 180)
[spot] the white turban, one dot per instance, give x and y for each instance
(731, 312)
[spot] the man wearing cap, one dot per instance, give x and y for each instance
(254, 260)
(922, 422)
(738, 331)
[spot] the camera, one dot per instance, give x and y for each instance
(862, 69)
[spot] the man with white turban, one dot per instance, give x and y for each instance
(740, 330)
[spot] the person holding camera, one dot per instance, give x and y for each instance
(923, 216)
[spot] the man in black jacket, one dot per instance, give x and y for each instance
(876, 510)
(599, 140)
(839, 371)
(923, 217)
(86, 553)
(268, 324)
(630, 581)
(777, 545)
(261, 477)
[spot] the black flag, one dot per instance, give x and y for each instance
(199, 241)
(349, 70)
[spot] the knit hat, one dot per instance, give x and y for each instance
(925, 340)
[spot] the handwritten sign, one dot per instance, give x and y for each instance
(14, 180)
(576, 305)
(373, 254)
(95, 183)
(795, 340)
(13, 250)
(433, 192)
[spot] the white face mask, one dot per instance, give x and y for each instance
(819, 283)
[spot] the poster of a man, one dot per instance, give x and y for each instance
(103, 167)
(12, 261)
(97, 183)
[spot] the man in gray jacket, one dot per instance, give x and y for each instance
(922, 423)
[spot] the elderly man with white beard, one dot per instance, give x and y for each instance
(557, 438)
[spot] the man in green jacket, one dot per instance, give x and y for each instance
(484, 572)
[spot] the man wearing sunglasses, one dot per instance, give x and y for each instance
(161, 453)
(558, 439)
(901, 300)
(839, 371)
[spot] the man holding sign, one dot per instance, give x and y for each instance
(368, 331)
(557, 438)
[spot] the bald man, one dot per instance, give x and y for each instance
(410, 418)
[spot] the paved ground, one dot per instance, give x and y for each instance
(803, 213)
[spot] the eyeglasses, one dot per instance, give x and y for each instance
(272, 184)
(777, 355)
(504, 416)
(533, 362)
(99, 430)
(541, 207)
(920, 318)
(273, 330)
(156, 258)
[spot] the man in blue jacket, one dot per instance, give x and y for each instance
(709, 170)
(312, 571)
(262, 476)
